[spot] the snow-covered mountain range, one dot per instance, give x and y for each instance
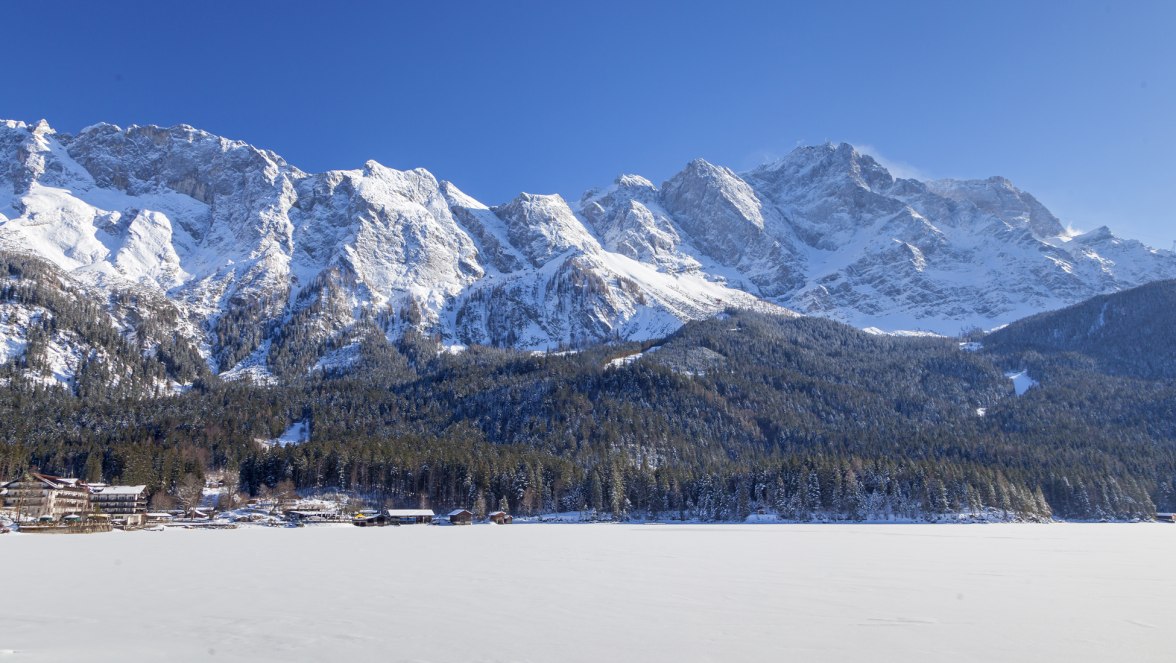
(263, 266)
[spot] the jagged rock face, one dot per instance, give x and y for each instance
(392, 230)
(543, 227)
(571, 301)
(998, 197)
(257, 257)
(263, 266)
(940, 256)
(826, 193)
(728, 223)
(629, 220)
(722, 214)
(485, 228)
(248, 191)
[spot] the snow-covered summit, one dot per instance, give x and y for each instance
(997, 196)
(257, 259)
(544, 227)
(257, 256)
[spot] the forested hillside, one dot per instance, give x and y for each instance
(1131, 333)
(53, 330)
(174, 303)
(741, 413)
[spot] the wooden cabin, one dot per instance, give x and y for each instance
(411, 516)
(303, 517)
(1166, 517)
(461, 517)
(372, 520)
(500, 518)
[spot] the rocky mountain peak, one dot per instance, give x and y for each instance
(263, 266)
(634, 182)
(716, 205)
(543, 226)
(42, 128)
(998, 197)
(825, 166)
(629, 220)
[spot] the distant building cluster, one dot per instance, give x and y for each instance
(39, 502)
(371, 518)
(50, 501)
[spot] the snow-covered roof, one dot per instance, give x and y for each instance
(121, 490)
(51, 481)
(497, 513)
(458, 512)
(410, 513)
(314, 505)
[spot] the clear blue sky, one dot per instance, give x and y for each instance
(1073, 101)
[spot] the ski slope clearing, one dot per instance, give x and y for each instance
(594, 593)
(1021, 381)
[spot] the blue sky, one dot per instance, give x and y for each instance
(1073, 101)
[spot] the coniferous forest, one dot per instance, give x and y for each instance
(745, 413)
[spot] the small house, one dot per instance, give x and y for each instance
(129, 521)
(461, 517)
(159, 518)
(500, 518)
(411, 516)
(305, 517)
(372, 520)
(1166, 517)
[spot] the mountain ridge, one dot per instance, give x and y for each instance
(254, 254)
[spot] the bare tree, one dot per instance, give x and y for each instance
(285, 492)
(161, 501)
(189, 491)
(229, 489)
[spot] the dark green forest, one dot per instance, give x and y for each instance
(740, 414)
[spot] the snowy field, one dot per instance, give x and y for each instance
(594, 593)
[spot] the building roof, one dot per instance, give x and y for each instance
(121, 490)
(458, 512)
(496, 513)
(410, 513)
(62, 481)
(50, 481)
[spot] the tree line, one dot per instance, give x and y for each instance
(745, 414)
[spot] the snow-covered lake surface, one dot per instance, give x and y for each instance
(594, 593)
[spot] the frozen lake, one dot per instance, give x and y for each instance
(554, 593)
